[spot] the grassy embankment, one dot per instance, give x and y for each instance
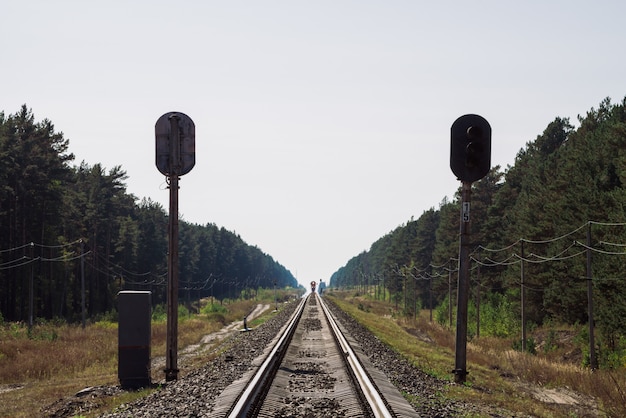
(499, 377)
(55, 360)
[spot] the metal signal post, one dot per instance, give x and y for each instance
(175, 156)
(470, 160)
(171, 354)
(460, 353)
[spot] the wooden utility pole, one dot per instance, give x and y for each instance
(523, 301)
(82, 283)
(592, 344)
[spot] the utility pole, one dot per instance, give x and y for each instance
(523, 301)
(450, 295)
(31, 287)
(430, 292)
(82, 283)
(592, 344)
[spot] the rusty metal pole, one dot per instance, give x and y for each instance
(460, 368)
(171, 363)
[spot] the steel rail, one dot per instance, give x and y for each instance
(249, 397)
(248, 402)
(374, 400)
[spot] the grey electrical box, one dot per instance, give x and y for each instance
(134, 331)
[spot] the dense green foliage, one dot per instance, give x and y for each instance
(60, 223)
(534, 217)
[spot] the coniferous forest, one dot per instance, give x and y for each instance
(548, 236)
(548, 240)
(72, 233)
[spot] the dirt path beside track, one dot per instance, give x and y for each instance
(208, 341)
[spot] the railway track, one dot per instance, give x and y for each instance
(313, 369)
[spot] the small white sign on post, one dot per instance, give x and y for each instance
(466, 211)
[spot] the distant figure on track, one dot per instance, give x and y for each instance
(321, 287)
(313, 286)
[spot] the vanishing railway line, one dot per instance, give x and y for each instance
(312, 370)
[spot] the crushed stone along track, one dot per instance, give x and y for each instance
(195, 394)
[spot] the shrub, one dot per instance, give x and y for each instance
(531, 346)
(109, 316)
(364, 308)
(442, 313)
(159, 313)
(551, 342)
(611, 359)
(213, 308)
(497, 317)
(183, 312)
(216, 317)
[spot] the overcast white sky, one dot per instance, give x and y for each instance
(320, 125)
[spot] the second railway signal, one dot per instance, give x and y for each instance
(470, 148)
(470, 160)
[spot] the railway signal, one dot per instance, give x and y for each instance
(175, 143)
(470, 148)
(470, 160)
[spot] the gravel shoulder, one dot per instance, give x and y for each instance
(237, 350)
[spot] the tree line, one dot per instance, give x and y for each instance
(65, 228)
(536, 226)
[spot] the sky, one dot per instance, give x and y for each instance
(321, 125)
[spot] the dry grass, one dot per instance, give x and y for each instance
(605, 386)
(54, 350)
(499, 376)
(54, 361)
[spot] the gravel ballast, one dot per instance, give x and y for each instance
(194, 394)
